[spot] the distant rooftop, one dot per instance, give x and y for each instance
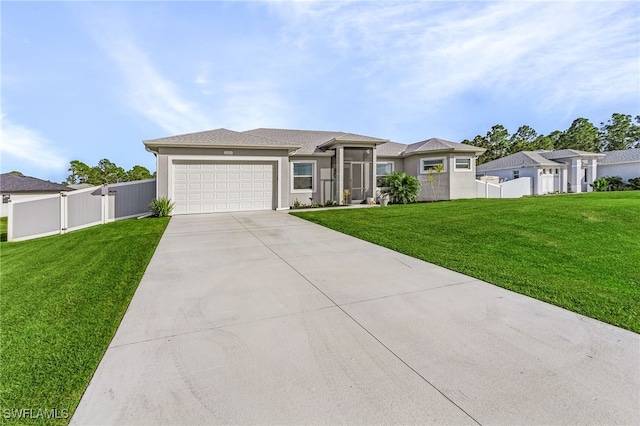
(12, 182)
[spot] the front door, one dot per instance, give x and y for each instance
(356, 180)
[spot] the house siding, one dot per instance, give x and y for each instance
(625, 171)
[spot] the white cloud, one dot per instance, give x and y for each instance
(29, 146)
(421, 53)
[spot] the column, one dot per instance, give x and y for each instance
(591, 173)
(339, 173)
(374, 159)
(576, 175)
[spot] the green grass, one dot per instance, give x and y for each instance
(577, 251)
(62, 299)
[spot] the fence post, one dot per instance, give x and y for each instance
(10, 221)
(501, 190)
(105, 203)
(486, 190)
(63, 212)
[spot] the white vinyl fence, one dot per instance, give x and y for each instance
(515, 188)
(59, 213)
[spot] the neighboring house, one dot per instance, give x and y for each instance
(224, 170)
(566, 170)
(624, 163)
(18, 187)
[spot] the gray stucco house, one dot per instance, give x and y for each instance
(224, 170)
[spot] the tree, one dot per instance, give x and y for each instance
(620, 133)
(80, 173)
(581, 135)
(138, 173)
(496, 142)
(524, 139)
(108, 172)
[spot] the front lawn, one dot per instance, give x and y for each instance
(62, 299)
(577, 251)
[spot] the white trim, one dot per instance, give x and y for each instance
(463, 170)
(227, 159)
(421, 170)
(314, 176)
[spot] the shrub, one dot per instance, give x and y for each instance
(401, 187)
(608, 183)
(634, 183)
(161, 207)
(600, 185)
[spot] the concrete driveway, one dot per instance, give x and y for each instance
(266, 318)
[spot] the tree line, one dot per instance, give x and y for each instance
(105, 172)
(618, 133)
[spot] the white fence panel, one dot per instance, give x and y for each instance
(83, 208)
(488, 190)
(56, 214)
(517, 188)
(34, 218)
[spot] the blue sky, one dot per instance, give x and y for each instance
(91, 80)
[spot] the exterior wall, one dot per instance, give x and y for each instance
(462, 183)
(625, 171)
(324, 180)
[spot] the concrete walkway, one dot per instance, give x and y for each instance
(265, 318)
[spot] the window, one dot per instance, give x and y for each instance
(516, 174)
(463, 164)
(382, 169)
(556, 171)
(427, 164)
(302, 176)
(6, 198)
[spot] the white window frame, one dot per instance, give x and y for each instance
(462, 169)
(421, 169)
(314, 178)
(379, 176)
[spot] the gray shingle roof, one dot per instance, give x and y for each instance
(566, 153)
(517, 160)
(304, 141)
(10, 182)
(220, 137)
(620, 157)
(435, 144)
(309, 140)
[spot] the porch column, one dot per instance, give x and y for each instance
(563, 179)
(339, 173)
(374, 167)
(575, 176)
(591, 173)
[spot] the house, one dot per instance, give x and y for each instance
(15, 186)
(225, 170)
(566, 170)
(624, 163)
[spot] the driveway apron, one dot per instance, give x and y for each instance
(262, 317)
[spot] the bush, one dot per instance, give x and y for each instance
(608, 183)
(401, 187)
(161, 207)
(634, 184)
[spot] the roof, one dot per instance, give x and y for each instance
(304, 142)
(621, 157)
(567, 153)
(435, 144)
(220, 137)
(310, 141)
(11, 182)
(518, 160)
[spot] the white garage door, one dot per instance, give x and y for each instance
(222, 187)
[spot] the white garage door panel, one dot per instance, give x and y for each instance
(207, 188)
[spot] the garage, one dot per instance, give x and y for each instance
(209, 187)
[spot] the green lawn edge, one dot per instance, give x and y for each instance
(577, 251)
(62, 299)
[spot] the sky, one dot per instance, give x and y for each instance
(90, 80)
